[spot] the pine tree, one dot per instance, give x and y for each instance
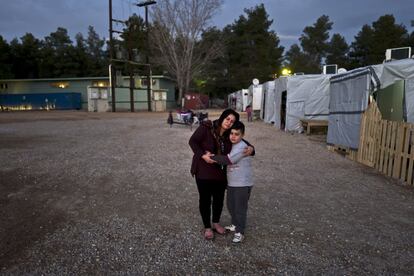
(314, 42)
(297, 60)
(5, 60)
(371, 42)
(253, 49)
(97, 56)
(26, 54)
(337, 52)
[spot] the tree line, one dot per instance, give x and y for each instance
(54, 56)
(368, 48)
(202, 58)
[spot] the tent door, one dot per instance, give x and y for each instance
(283, 111)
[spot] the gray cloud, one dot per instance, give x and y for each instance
(41, 17)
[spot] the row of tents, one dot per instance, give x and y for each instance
(339, 99)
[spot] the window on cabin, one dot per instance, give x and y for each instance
(100, 83)
(60, 85)
(144, 82)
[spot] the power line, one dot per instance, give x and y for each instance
(129, 60)
(145, 4)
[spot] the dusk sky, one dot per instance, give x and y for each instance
(41, 17)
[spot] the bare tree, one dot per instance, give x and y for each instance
(176, 38)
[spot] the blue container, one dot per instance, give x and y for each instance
(42, 101)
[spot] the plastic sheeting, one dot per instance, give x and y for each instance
(349, 94)
(349, 97)
(317, 103)
(231, 100)
(256, 93)
(246, 99)
(268, 102)
(390, 72)
(409, 100)
(306, 95)
(239, 101)
(280, 86)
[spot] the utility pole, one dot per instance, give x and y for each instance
(149, 84)
(112, 67)
(112, 79)
(131, 81)
(130, 63)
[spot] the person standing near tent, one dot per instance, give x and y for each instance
(240, 181)
(170, 119)
(211, 179)
(249, 112)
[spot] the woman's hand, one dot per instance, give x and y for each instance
(248, 151)
(207, 159)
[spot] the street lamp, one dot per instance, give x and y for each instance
(146, 4)
(286, 72)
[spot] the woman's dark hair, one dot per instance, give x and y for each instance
(226, 113)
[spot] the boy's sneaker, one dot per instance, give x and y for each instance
(231, 228)
(238, 238)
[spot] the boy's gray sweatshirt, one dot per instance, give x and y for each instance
(239, 168)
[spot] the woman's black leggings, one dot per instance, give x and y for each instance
(211, 194)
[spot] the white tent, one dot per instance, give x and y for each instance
(279, 105)
(268, 102)
(307, 98)
(231, 100)
(245, 98)
(239, 101)
(349, 95)
(390, 72)
(255, 94)
(273, 100)
(235, 100)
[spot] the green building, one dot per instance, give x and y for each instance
(162, 92)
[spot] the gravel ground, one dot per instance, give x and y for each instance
(87, 194)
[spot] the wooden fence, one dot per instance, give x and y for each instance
(385, 145)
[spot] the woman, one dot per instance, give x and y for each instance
(212, 137)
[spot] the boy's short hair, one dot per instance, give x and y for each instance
(238, 125)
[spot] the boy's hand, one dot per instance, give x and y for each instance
(248, 151)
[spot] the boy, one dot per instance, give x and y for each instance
(239, 178)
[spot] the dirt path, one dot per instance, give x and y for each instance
(88, 193)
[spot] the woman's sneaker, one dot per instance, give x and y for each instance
(230, 228)
(238, 238)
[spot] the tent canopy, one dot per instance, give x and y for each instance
(349, 94)
(268, 101)
(307, 97)
(391, 72)
(280, 86)
(255, 96)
